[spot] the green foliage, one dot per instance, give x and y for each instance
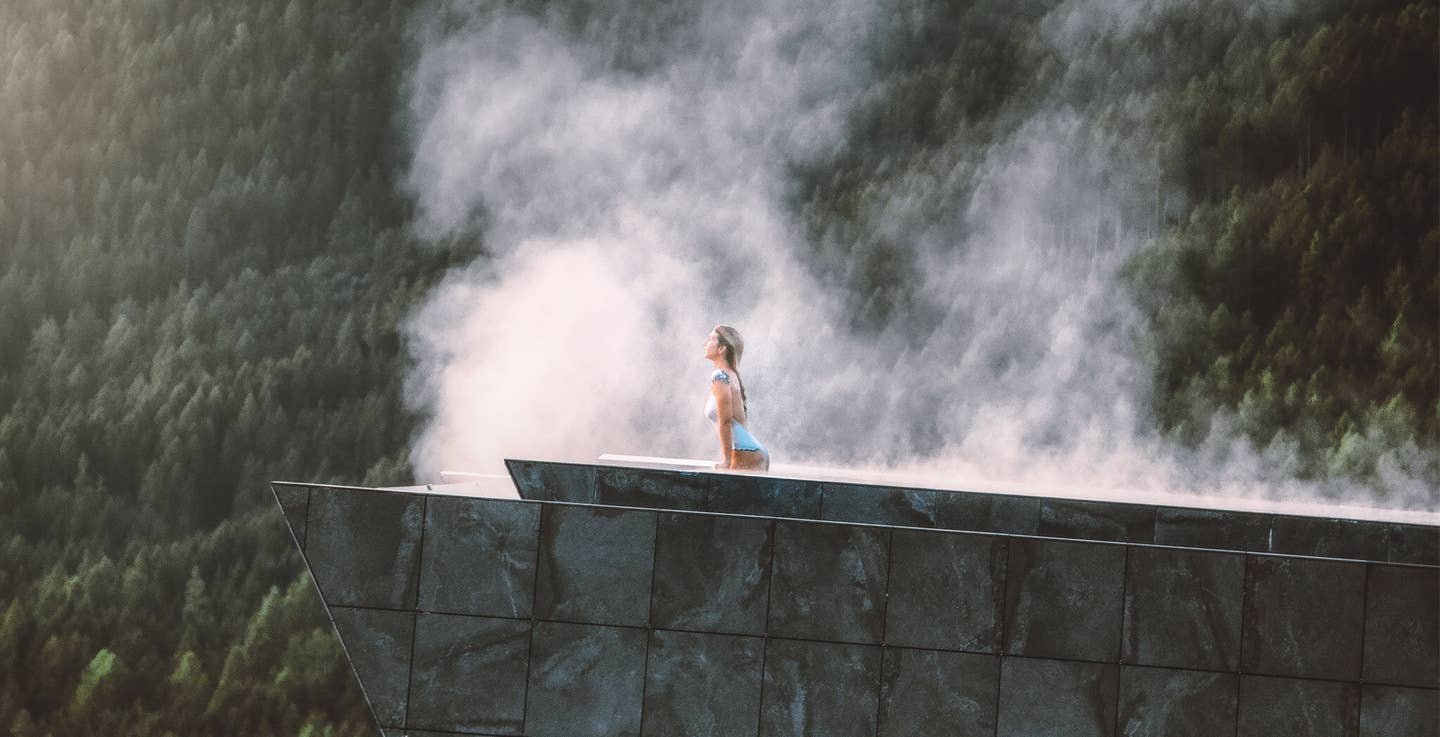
(1301, 294)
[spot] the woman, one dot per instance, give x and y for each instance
(726, 404)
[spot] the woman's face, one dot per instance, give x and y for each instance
(712, 346)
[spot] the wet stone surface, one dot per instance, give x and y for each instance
(595, 565)
(1303, 708)
(294, 505)
(1402, 626)
(739, 494)
(1303, 617)
(700, 685)
(1392, 711)
(469, 674)
(880, 505)
(1332, 538)
(1163, 702)
(479, 556)
(947, 591)
(547, 481)
(1200, 528)
(936, 694)
(1052, 698)
(829, 582)
(1064, 599)
(364, 546)
(377, 643)
(585, 681)
(818, 688)
(1183, 608)
(712, 573)
(631, 487)
(1097, 521)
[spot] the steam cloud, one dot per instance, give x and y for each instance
(630, 169)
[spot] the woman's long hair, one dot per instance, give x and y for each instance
(733, 346)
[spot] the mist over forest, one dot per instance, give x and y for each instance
(1179, 242)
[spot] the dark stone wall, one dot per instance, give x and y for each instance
(498, 617)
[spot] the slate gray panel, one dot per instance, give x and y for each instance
(1415, 544)
(712, 573)
(548, 481)
(595, 565)
(294, 504)
(1402, 626)
(585, 681)
(1303, 617)
(947, 591)
(479, 556)
(1064, 599)
(741, 494)
(1163, 702)
(469, 674)
(1015, 515)
(1297, 708)
(377, 642)
(1097, 521)
(879, 505)
(935, 694)
(1392, 711)
(1183, 608)
(1332, 538)
(819, 688)
(829, 582)
(634, 487)
(701, 685)
(1204, 528)
(1053, 698)
(364, 546)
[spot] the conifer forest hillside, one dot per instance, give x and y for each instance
(208, 255)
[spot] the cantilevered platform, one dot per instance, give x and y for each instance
(614, 600)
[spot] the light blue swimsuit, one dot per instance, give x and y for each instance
(740, 438)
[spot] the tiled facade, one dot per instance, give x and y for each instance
(556, 615)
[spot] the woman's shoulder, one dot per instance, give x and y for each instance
(720, 375)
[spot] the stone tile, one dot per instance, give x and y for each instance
(700, 685)
(712, 573)
(585, 681)
(469, 674)
(1303, 617)
(1414, 544)
(829, 582)
(879, 505)
(1402, 626)
(1204, 528)
(819, 688)
(549, 481)
(1183, 608)
(1162, 702)
(1064, 599)
(1391, 711)
(595, 565)
(364, 546)
(1330, 538)
(1053, 698)
(1015, 515)
(294, 504)
(377, 642)
(768, 497)
(1297, 708)
(933, 694)
(947, 591)
(479, 556)
(635, 487)
(1097, 521)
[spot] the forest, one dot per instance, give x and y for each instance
(207, 259)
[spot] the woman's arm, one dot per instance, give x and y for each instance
(720, 387)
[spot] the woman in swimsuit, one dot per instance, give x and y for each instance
(726, 404)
